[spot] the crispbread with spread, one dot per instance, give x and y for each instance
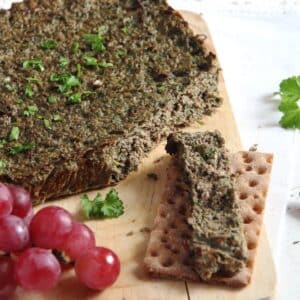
(169, 254)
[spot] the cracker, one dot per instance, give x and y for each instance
(168, 254)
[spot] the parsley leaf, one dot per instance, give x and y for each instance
(289, 104)
(30, 110)
(110, 207)
(48, 44)
(90, 61)
(28, 90)
(8, 87)
(66, 81)
(75, 47)
(14, 134)
(96, 41)
(56, 118)
(47, 124)
(121, 53)
(104, 64)
(2, 164)
(75, 98)
(36, 64)
(52, 99)
(63, 62)
(21, 148)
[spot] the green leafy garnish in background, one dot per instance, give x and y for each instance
(2, 164)
(21, 148)
(96, 41)
(66, 81)
(48, 44)
(36, 64)
(289, 104)
(110, 207)
(31, 110)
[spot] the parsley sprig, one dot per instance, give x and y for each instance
(66, 81)
(36, 64)
(96, 40)
(290, 102)
(110, 207)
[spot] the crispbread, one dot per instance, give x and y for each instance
(168, 253)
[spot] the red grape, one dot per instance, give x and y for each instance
(14, 234)
(6, 201)
(98, 268)
(7, 279)
(79, 240)
(37, 269)
(27, 219)
(22, 201)
(50, 227)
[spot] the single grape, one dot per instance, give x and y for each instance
(14, 235)
(98, 268)
(79, 240)
(22, 201)
(50, 227)
(37, 269)
(7, 278)
(6, 201)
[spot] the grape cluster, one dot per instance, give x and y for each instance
(27, 241)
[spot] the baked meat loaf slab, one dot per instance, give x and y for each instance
(89, 87)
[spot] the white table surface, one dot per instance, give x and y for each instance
(258, 45)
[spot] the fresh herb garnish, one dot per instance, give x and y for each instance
(75, 98)
(109, 207)
(78, 70)
(48, 44)
(290, 102)
(96, 41)
(36, 64)
(8, 87)
(75, 47)
(21, 148)
(66, 81)
(90, 61)
(104, 64)
(28, 90)
(56, 118)
(52, 99)
(47, 124)
(63, 62)
(121, 53)
(31, 110)
(125, 29)
(14, 134)
(2, 164)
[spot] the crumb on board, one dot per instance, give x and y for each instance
(145, 230)
(253, 147)
(130, 233)
(152, 176)
(133, 220)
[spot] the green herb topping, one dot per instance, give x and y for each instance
(52, 99)
(63, 62)
(30, 110)
(110, 207)
(48, 44)
(14, 134)
(75, 98)
(2, 164)
(21, 148)
(66, 81)
(96, 41)
(36, 64)
(47, 124)
(56, 118)
(90, 61)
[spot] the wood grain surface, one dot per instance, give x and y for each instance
(128, 235)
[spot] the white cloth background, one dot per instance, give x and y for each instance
(258, 45)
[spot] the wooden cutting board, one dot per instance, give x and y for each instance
(128, 235)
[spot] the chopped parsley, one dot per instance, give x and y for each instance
(8, 87)
(31, 110)
(52, 99)
(75, 98)
(36, 64)
(2, 164)
(28, 90)
(90, 61)
(47, 124)
(48, 44)
(104, 64)
(14, 134)
(75, 47)
(121, 53)
(63, 62)
(96, 41)
(56, 118)
(290, 102)
(125, 29)
(21, 148)
(66, 81)
(110, 207)
(78, 69)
